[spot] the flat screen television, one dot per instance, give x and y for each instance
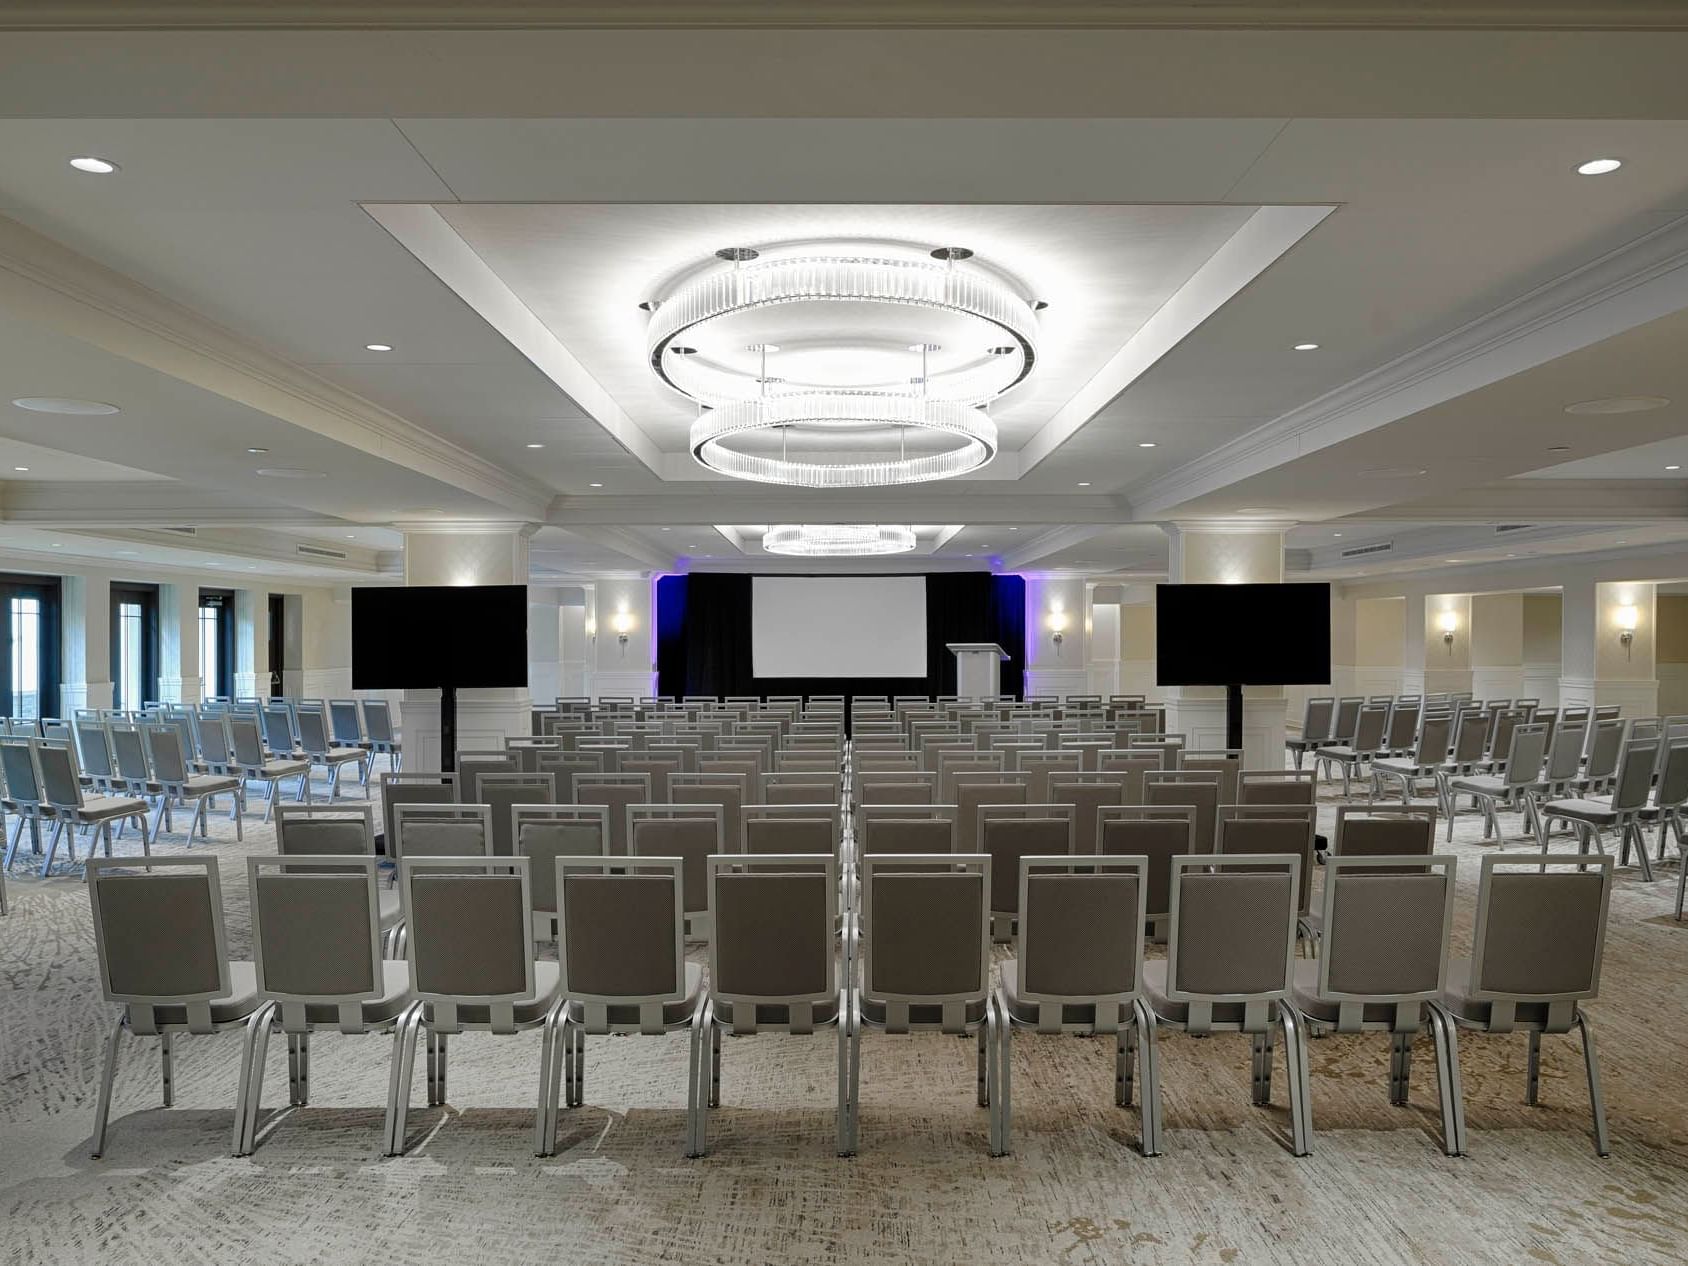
(428, 636)
(1250, 635)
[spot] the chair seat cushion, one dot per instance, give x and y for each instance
(336, 755)
(547, 988)
(1580, 810)
(210, 784)
(241, 1002)
(284, 768)
(1337, 753)
(396, 995)
(672, 1012)
(1479, 784)
(1022, 1011)
(1457, 999)
(1403, 767)
(99, 808)
(777, 1015)
(1176, 1012)
(1305, 993)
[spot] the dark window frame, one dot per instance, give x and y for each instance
(222, 600)
(49, 590)
(146, 596)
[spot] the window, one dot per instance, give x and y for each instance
(29, 656)
(134, 645)
(216, 642)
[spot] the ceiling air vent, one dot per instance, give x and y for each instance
(1360, 551)
(1513, 527)
(317, 551)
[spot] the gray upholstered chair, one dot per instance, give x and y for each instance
(1008, 832)
(1562, 771)
(1316, 720)
(320, 750)
(1434, 739)
(190, 987)
(1276, 786)
(383, 738)
(409, 786)
(976, 789)
(178, 782)
(813, 828)
(1286, 830)
(1384, 966)
(895, 786)
(905, 829)
(440, 830)
(1670, 793)
(319, 830)
(1535, 959)
(544, 832)
(772, 966)
(503, 791)
(803, 788)
(925, 963)
(1157, 834)
(1229, 967)
(691, 832)
(1087, 793)
(73, 809)
(658, 765)
(621, 951)
(472, 967)
(317, 934)
(472, 764)
(564, 766)
(1367, 743)
(1226, 762)
(616, 792)
(1600, 761)
(253, 764)
(1513, 787)
(1197, 788)
(1622, 813)
(1038, 766)
(1132, 765)
(1077, 968)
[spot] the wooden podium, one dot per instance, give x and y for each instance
(978, 669)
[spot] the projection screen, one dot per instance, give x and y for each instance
(838, 626)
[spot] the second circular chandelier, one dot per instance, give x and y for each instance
(843, 365)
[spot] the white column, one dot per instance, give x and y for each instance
(465, 554)
(1228, 553)
(178, 644)
(622, 611)
(1055, 604)
(545, 645)
(251, 643)
(1600, 665)
(86, 643)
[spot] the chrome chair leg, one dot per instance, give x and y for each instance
(1596, 1102)
(102, 1107)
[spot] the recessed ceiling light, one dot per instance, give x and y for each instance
(1618, 404)
(60, 404)
(1085, 483)
(1515, 556)
(594, 485)
(1450, 560)
(536, 446)
(1013, 529)
(1599, 166)
(257, 450)
(290, 472)
(1336, 533)
(667, 529)
(22, 470)
(1145, 443)
(1673, 468)
(58, 544)
(351, 536)
(967, 556)
(1306, 347)
(377, 347)
(94, 166)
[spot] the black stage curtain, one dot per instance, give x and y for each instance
(703, 637)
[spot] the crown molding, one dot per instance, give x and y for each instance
(144, 504)
(1622, 15)
(47, 283)
(1625, 288)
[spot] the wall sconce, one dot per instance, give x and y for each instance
(1057, 622)
(622, 623)
(1448, 622)
(1627, 617)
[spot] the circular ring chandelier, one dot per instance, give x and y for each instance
(855, 540)
(928, 425)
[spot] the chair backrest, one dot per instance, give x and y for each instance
(377, 721)
(440, 830)
(801, 789)
(1605, 743)
(616, 792)
(1541, 933)
(1347, 717)
(313, 731)
(544, 832)
(1227, 763)
(244, 737)
(1276, 829)
(414, 787)
(1501, 724)
(1525, 753)
(165, 751)
(17, 763)
(1362, 831)
(1316, 719)
(772, 932)
(316, 937)
(1199, 788)
(691, 832)
(1080, 938)
(1130, 764)
(1038, 766)
(902, 832)
(1370, 730)
(346, 722)
(1635, 774)
(214, 746)
(1672, 788)
(727, 790)
(1275, 786)
(564, 766)
(1403, 724)
(128, 749)
(926, 934)
(1385, 931)
(94, 748)
(1156, 833)
(1010, 832)
(1471, 737)
(970, 796)
(277, 720)
(1434, 738)
(1564, 751)
(174, 901)
(1087, 793)
(471, 765)
(910, 786)
(469, 934)
(319, 830)
(784, 829)
(60, 786)
(658, 765)
(504, 791)
(621, 937)
(1233, 930)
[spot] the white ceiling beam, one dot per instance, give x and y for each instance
(1052, 542)
(50, 285)
(760, 504)
(1545, 501)
(142, 504)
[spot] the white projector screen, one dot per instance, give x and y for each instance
(838, 626)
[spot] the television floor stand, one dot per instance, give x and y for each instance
(448, 728)
(1233, 717)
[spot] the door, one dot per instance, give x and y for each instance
(278, 640)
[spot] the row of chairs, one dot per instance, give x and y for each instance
(906, 950)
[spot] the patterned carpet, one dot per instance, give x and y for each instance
(1376, 1189)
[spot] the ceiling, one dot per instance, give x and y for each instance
(1406, 200)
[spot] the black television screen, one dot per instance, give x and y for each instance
(1251, 635)
(426, 636)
